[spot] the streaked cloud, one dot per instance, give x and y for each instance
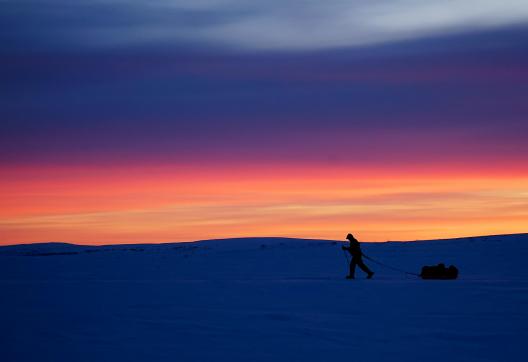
(250, 25)
(316, 24)
(124, 205)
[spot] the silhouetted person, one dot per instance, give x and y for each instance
(355, 250)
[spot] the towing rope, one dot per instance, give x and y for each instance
(389, 267)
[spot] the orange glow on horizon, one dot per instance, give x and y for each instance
(103, 205)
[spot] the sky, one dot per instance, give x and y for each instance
(128, 121)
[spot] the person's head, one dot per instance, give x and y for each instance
(350, 237)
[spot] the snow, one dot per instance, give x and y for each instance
(262, 299)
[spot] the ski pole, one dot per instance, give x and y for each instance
(346, 257)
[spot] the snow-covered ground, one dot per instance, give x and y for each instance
(263, 300)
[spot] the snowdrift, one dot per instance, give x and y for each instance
(263, 299)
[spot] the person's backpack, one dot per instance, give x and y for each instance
(439, 272)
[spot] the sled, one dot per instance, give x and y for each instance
(439, 272)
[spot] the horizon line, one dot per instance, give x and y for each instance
(259, 237)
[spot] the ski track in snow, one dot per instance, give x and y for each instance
(262, 299)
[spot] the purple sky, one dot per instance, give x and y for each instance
(89, 82)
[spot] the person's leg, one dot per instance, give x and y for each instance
(363, 266)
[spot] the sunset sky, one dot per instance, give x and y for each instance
(155, 121)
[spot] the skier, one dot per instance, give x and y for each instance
(355, 250)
